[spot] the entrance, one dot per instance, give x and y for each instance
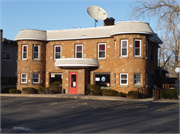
(73, 82)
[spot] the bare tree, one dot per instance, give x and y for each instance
(167, 13)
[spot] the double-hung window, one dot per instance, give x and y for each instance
(124, 48)
(23, 78)
(137, 79)
(57, 52)
(36, 51)
(123, 79)
(79, 51)
(6, 55)
(24, 52)
(101, 50)
(35, 78)
(137, 48)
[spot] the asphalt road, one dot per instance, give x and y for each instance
(58, 115)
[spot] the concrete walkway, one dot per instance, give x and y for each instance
(80, 96)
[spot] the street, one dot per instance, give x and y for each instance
(59, 115)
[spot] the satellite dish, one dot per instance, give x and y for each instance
(97, 13)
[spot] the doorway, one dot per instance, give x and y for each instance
(73, 82)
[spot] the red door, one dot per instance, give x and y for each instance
(73, 82)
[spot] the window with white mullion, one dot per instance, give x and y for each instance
(79, 51)
(137, 48)
(36, 49)
(24, 52)
(35, 78)
(57, 52)
(123, 79)
(137, 79)
(23, 78)
(101, 50)
(124, 48)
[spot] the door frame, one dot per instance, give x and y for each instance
(71, 88)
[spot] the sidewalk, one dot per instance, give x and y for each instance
(80, 96)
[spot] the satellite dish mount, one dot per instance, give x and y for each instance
(97, 13)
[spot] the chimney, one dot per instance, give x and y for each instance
(109, 21)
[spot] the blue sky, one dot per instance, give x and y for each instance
(16, 15)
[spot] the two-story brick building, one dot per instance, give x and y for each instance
(122, 57)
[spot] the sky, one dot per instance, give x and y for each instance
(16, 15)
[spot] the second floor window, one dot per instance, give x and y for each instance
(79, 51)
(124, 48)
(35, 78)
(23, 78)
(137, 48)
(36, 52)
(24, 52)
(101, 51)
(57, 52)
(6, 55)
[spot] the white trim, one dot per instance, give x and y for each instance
(121, 48)
(140, 79)
(140, 48)
(105, 50)
(115, 49)
(38, 52)
(55, 51)
(123, 79)
(23, 78)
(38, 78)
(23, 51)
(76, 50)
(5, 54)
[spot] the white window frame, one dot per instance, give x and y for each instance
(38, 78)
(121, 49)
(140, 79)
(23, 78)
(23, 52)
(139, 50)
(5, 55)
(56, 52)
(104, 50)
(76, 51)
(38, 52)
(115, 49)
(123, 79)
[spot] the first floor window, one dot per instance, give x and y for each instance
(57, 52)
(24, 52)
(23, 78)
(123, 79)
(137, 79)
(79, 51)
(101, 51)
(6, 55)
(36, 52)
(35, 78)
(114, 78)
(137, 48)
(102, 79)
(124, 48)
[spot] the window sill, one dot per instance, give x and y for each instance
(35, 83)
(23, 83)
(123, 86)
(138, 86)
(123, 57)
(138, 58)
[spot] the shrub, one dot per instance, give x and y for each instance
(168, 94)
(134, 94)
(94, 89)
(6, 89)
(121, 94)
(14, 91)
(29, 90)
(110, 92)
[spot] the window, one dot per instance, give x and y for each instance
(123, 79)
(124, 48)
(36, 51)
(101, 51)
(79, 51)
(102, 79)
(55, 77)
(137, 48)
(35, 78)
(23, 78)
(6, 55)
(137, 79)
(114, 49)
(114, 78)
(57, 52)
(24, 52)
